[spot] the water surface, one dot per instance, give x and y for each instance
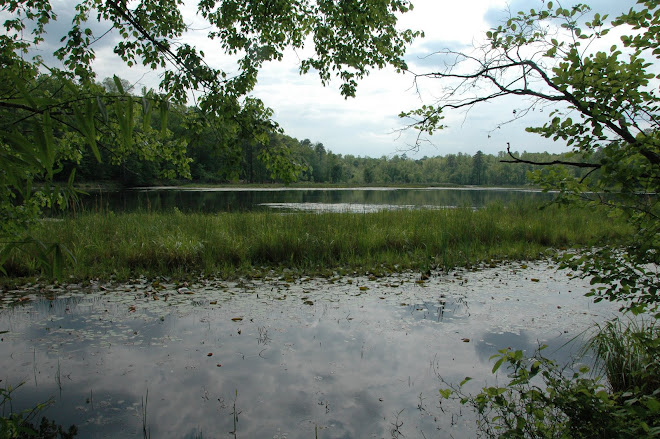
(309, 199)
(341, 358)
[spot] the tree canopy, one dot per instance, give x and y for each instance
(602, 91)
(604, 105)
(53, 110)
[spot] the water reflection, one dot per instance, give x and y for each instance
(444, 309)
(346, 207)
(341, 199)
(290, 358)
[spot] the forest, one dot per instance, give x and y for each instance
(241, 157)
(60, 124)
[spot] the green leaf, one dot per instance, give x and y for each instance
(652, 404)
(5, 252)
(57, 263)
(124, 110)
(164, 111)
(20, 85)
(118, 84)
(102, 108)
(48, 143)
(90, 131)
(24, 147)
(497, 364)
(146, 112)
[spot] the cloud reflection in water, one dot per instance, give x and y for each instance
(353, 364)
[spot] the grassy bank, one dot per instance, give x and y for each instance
(315, 185)
(234, 244)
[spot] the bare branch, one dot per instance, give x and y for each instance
(594, 166)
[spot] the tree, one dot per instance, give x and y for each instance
(605, 107)
(478, 167)
(349, 37)
(320, 167)
(368, 175)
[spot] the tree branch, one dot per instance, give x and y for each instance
(593, 166)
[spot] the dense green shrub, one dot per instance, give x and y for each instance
(545, 400)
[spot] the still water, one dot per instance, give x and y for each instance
(309, 199)
(281, 358)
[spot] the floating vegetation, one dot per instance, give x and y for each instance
(352, 365)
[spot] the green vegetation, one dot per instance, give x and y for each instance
(546, 400)
(180, 145)
(210, 163)
(235, 244)
(607, 113)
(624, 357)
(605, 107)
(22, 425)
(54, 115)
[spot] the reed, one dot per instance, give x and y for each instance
(628, 353)
(174, 244)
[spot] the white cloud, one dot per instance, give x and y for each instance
(368, 124)
(457, 21)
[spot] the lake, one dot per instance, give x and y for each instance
(303, 199)
(343, 357)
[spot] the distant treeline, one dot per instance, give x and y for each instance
(455, 169)
(221, 153)
(211, 164)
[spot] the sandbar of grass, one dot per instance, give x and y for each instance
(229, 245)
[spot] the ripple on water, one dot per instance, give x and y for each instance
(350, 357)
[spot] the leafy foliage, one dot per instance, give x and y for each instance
(545, 400)
(51, 115)
(628, 352)
(22, 425)
(241, 159)
(49, 122)
(605, 107)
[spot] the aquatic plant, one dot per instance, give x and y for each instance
(236, 244)
(628, 353)
(22, 425)
(545, 400)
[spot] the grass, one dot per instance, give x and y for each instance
(315, 185)
(121, 246)
(628, 353)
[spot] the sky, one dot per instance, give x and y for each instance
(368, 125)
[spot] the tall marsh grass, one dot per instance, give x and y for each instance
(628, 353)
(234, 244)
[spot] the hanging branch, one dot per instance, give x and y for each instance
(593, 166)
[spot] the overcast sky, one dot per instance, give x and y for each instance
(368, 125)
